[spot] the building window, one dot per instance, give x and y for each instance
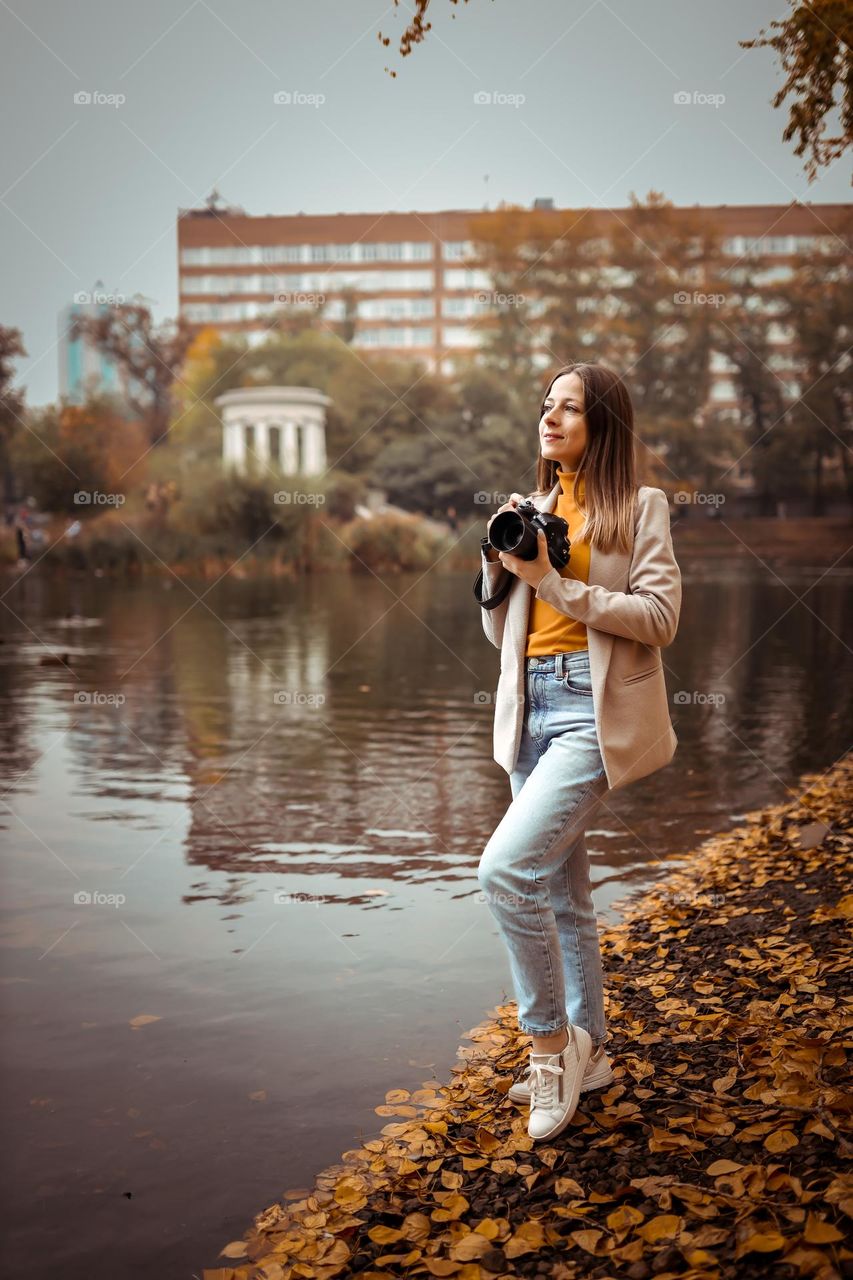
(456, 335)
(394, 338)
(457, 278)
(457, 250)
(396, 308)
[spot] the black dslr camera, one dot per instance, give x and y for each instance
(515, 532)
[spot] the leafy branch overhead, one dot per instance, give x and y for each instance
(814, 44)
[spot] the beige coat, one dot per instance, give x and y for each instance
(630, 608)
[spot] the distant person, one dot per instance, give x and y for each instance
(452, 519)
(20, 538)
(580, 649)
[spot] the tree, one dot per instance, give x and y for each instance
(414, 31)
(564, 263)
(745, 338)
(150, 358)
(659, 315)
(503, 310)
(818, 305)
(814, 44)
(11, 404)
(72, 449)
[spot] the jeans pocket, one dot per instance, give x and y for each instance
(578, 679)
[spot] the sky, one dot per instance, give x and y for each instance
(581, 108)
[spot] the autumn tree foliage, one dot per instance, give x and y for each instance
(814, 44)
(73, 449)
(150, 357)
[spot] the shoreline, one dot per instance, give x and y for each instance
(716, 1152)
(818, 543)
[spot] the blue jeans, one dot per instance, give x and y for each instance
(534, 870)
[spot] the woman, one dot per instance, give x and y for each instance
(581, 709)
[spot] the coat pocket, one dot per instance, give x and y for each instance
(640, 675)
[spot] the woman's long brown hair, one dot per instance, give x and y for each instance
(608, 466)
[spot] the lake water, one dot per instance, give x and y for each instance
(278, 831)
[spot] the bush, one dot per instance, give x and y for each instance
(393, 542)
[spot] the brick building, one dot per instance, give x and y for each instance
(413, 273)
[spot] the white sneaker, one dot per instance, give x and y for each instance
(599, 1072)
(555, 1084)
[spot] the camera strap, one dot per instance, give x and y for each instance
(502, 591)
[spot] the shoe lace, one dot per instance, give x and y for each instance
(543, 1081)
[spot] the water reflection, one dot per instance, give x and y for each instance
(290, 786)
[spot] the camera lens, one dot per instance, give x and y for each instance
(511, 532)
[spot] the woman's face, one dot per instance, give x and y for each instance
(562, 427)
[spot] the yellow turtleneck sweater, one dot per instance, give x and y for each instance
(547, 630)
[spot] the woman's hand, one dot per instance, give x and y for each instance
(530, 571)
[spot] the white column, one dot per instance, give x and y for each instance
(227, 443)
(262, 443)
(314, 447)
(235, 441)
(289, 455)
